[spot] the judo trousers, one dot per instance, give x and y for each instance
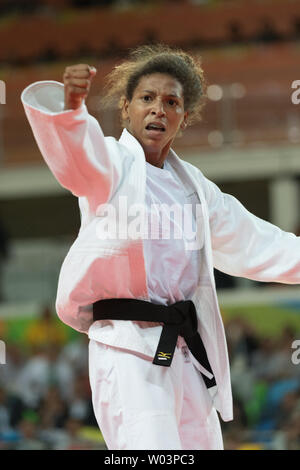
(142, 406)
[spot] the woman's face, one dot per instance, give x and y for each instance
(155, 114)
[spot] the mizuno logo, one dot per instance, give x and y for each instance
(162, 356)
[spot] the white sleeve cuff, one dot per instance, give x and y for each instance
(46, 96)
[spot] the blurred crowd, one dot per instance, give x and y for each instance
(265, 374)
(45, 398)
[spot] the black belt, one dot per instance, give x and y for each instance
(178, 319)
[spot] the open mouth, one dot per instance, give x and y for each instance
(156, 127)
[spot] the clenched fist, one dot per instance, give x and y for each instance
(77, 81)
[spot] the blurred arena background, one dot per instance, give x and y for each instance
(248, 143)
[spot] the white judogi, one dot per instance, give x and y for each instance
(141, 407)
(100, 169)
(157, 407)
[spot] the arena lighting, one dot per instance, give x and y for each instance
(294, 134)
(2, 92)
(214, 92)
(215, 138)
(237, 90)
(2, 352)
(234, 90)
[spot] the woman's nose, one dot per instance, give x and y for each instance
(158, 109)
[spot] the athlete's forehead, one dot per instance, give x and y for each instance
(159, 83)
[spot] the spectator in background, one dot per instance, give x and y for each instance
(292, 431)
(9, 372)
(289, 404)
(244, 339)
(80, 405)
(11, 409)
(243, 342)
(44, 369)
(53, 410)
(273, 359)
(76, 354)
(74, 439)
(45, 330)
(267, 32)
(28, 428)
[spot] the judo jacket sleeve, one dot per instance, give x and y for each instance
(247, 246)
(72, 143)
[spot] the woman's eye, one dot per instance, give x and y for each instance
(147, 98)
(172, 102)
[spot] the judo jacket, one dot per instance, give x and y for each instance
(100, 170)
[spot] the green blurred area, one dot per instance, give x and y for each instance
(267, 319)
(14, 330)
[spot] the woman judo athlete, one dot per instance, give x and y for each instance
(158, 360)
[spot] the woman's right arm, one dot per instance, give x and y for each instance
(69, 138)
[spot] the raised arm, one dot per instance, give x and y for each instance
(244, 245)
(77, 84)
(69, 138)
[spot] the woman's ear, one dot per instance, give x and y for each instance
(184, 124)
(125, 113)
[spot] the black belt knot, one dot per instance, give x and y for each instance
(185, 314)
(179, 318)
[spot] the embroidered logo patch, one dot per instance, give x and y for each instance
(162, 356)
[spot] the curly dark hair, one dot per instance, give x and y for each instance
(159, 58)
